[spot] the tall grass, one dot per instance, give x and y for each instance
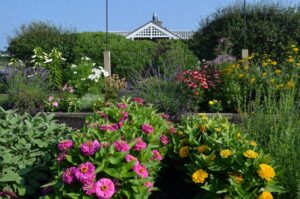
(274, 122)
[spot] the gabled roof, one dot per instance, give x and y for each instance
(152, 30)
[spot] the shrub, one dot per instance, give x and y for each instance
(275, 124)
(43, 35)
(26, 151)
(223, 161)
(112, 86)
(121, 149)
(271, 28)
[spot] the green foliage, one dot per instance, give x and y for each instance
(26, 145)
(271, 27)
(43, 35)
(223, 161)
(109, 161)
(275, 124)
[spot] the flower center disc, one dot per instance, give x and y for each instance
(84, 169)
(104, 188)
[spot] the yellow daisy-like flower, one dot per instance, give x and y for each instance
(277, 71)
(184, 152)
(290, 84)
(274, 63)
(202, 114)
(298, 64)
(266, 172)
(291, 60)
(202, 148)
(264, 74)
(269, 60)
(253, 143)
(264, 64)
(250, 154)
(218, 130)
(225, 153)
(211, 102)
(265, 195)
(199, 176)
(252, 80)
(241, 76)
(296, 49)
(238, 135)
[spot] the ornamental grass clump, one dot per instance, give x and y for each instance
(222, 162)
(117, 154)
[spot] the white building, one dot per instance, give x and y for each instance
(154, 30)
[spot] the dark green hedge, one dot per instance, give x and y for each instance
(270, 29)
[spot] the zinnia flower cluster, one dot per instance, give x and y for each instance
(65, 145)
(266, 172)
(140, 170)
(250, 154)
(199, 176)
(265, 195)
(184, 152)
(121, 146)
(147, 128)
(225, 153)
(90, 147)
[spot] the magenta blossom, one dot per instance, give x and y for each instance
(55, 104)
(85, 173)
(121, 146)
(90, 147)
(121, 105)
(124, 117)
(140, 144)
(69, 175)
(103, 115)
(164, 140)
(165, 116)
(147, 128)
(65, 145)
(61, 157)
(172, 130)
(140, 170)
(139, 101)
(108, 127)
(156, 155)
(104, 188)
(149, 184)
(89, 188)
(130, 158)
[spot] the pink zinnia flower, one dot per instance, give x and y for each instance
(55, 104)
(125, 116)
(139, 101)
(121, 105)
(69, 175)
(50, 98)
(156, 155)
(89, 188)
(61, 157)
(103, 115)
(85, 173)
(149, 184)
(172, 130)
(105, 127)
(71, 89)
(65, 145)
(140, 170)
(90, 147)
(104, 188)
(130, 158)
(147, 128)
(165, 116)
(164, 140)
(140, 144)
(121, 146)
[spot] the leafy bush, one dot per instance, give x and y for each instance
(224, 162)
(26, 151)
(275, 124)
(118, 154)
(271, 28)
(43, 35)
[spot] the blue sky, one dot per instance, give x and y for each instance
(124, 15)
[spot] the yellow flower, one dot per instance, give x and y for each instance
(266, 172)
(238, 135)
(250, 154)
(290, 84)
(269, 60)
(252, 80)
(225, 153)
(265, 195)
(202, 114)
(184, 152)
(253, 143)
(241, 76)
(291, 60)
(180, 133)
(277, 71)
(199, 176)
(264, 64)
(246, 67)
(298, 64)
(210, 102)
(295, 50)
(202, 148)
(264, 74)
(272, 80)
(218, 130)
(274, 63)
(205, 118)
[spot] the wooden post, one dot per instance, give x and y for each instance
(107, 61)
(245, 53)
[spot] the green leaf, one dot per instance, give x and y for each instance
(112, 172)
(117, 158)
(10, 176)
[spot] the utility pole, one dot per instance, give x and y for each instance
(106, 53)
(245, 51)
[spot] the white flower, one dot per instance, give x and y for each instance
(73, 66)
(106, 74)
(75, 72)
(48, 61)
(86, 58)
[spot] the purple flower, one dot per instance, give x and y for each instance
(130, 158)
(164, 140)
(140, 170)
(139, 101)
(147, 128)
(105, 127)
(149, 184)
(121, 105)
(121, 146)
(103, 115)
(65, 145)
(125, 116)
(172, 130)
(90, 147)
(104, 188)
(140, 144)
(89, 188)
(50, 98)
(61, 157)
(114, 127)
(85, 173)
(165, 116)
(69, 175)
(55, 104)
(156, 155)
